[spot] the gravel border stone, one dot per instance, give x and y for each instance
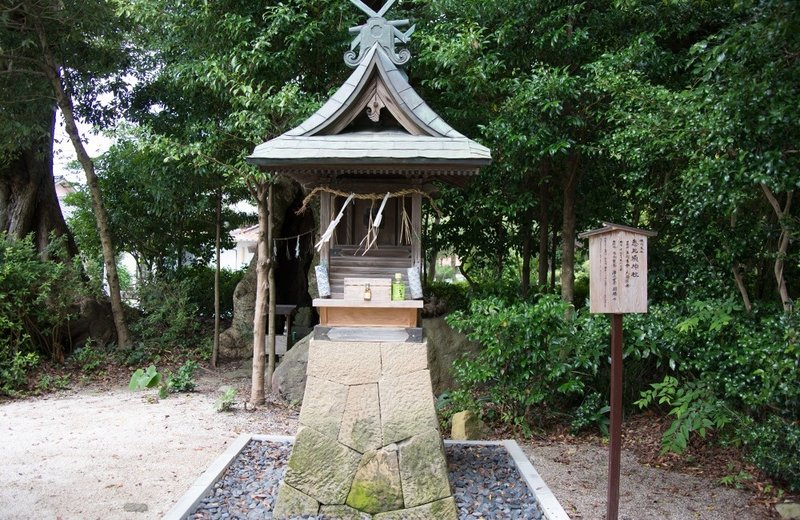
(489, 481)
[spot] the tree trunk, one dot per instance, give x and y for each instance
(527, 251)
(215, 348)
(737, 276)
(272, 291)
(544, 225)
(568, 230)
(553, 259)
(64, 100)
(257, 396)
(28, 201)
(783, 243)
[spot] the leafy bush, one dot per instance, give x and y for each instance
(14, 371)
(593, 412)
(36, 304)
(183, 379)
(736, 372)
(226, 400)
(694, 411)
(774, 446)
(526, 363)
(199, 281)
(169, 319)
(447, 297)
(89, 358)
(142, 379)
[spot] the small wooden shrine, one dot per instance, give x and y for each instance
(370, 154)
(368, 444)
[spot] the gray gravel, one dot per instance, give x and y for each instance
(485, 483)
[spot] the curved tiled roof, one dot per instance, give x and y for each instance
(422, 138)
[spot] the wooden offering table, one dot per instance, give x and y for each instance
(360, 313)
(354, 311)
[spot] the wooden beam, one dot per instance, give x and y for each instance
(324, 221)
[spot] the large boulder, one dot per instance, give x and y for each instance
(289, 378)
(444, 347)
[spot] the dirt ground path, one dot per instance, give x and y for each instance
(577, 475)
(97, 455)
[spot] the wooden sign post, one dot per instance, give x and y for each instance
(617, 286)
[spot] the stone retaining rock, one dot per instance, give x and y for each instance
(444, 347)
(376, 486)
(423, 469)
(369, 434)
(291, 502)
(467, 426)
(329, 481)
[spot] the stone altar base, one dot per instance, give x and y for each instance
(368, 445)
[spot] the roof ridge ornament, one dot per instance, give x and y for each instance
(378, 30)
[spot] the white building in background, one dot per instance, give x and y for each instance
(64, 188)
(246, 239)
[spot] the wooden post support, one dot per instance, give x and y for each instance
(615, 429)
(617, 285)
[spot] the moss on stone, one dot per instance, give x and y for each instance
(376, 486)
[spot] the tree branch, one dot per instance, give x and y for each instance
(772, 200)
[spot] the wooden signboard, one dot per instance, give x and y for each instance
(617, 286)
(617, 269)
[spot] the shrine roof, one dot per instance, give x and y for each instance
(340, 134)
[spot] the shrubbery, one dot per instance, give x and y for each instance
(199, 281)
(169, 319)
(36, 303)
(525, 366)
(709, 363)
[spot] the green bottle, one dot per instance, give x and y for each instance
(398, 288)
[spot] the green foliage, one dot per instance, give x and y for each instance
(183, 379)
(143, 379)
(36, 303)
(199, 280)
(451, 296)
(48, 383)
(89, 358)
(773, 446)
(525, 363)
(180, 381)
(14, 371)
(737, 373)
(593, 412)
(87, 40)
(169, 320)
(735, 480)
(694, 410)
(226, 400)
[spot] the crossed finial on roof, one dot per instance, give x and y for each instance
(381, 31)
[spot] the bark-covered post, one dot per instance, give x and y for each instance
(52, 70)
(257, 396)
(272, 291)
(215, 349)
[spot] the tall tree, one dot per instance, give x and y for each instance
(229, 75)
(71, 44)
